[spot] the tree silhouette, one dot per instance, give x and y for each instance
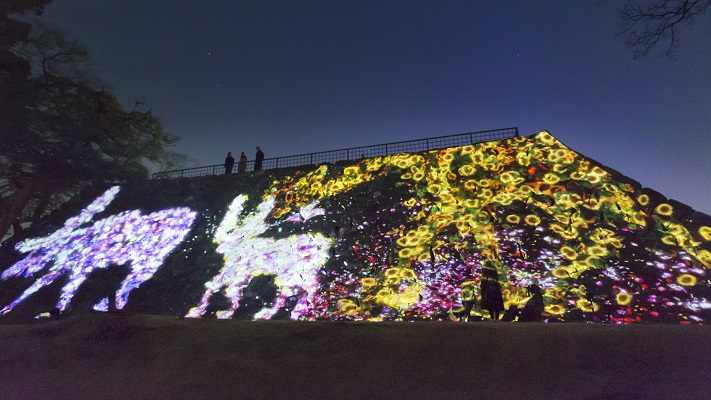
(69, 131)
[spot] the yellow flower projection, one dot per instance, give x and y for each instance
(466, 170)
(705, 232)
(569, 253)
(664, 209)
(704, 256)
(643, 199)
(348, 307)
(501, 198)
(513, 219)
(551, 178)
(686, 280)
(555, 309)
(368, 282)
(587, 305)
(623, 299)
(560, 273)
(532, 220)
(401, 299)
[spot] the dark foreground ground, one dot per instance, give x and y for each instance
(129, 356)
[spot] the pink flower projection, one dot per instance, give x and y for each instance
(144, 241)
(293, 261)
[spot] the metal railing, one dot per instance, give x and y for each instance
(354, 153)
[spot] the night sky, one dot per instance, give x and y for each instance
(301, 76)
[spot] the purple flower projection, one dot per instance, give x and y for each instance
(144, 241)
(293, 261)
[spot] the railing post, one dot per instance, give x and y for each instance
(386, 149)
(517, 131)
(427, 143)
(312, 158)
(277, 163)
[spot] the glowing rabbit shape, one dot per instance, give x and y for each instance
(293, 261)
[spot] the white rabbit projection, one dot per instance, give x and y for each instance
(294, 261)
(143, 240)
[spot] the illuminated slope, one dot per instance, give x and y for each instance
(397, 237)
(542, 212)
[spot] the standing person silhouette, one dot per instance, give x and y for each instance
(468, 300)
(242, 166)
(491, 297)
(534, 306)
(258, 159)
(229, 163)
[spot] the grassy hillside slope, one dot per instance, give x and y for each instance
(387, 238)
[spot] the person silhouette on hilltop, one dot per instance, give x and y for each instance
(258, 159)
(242, 166)
(229, 163)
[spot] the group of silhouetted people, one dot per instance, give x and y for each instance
(242, 164)
(492, 299)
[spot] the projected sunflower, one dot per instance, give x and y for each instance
(540, 213)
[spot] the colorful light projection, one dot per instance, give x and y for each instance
(601, 250)
(294, 261)
(143, 240)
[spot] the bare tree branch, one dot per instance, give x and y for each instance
(658, 22)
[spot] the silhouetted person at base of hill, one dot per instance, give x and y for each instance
(258, 159)
(467, 312)
(229, 163)
(534, 306)
(468, 300)
(510, 314)
(491, 298)
(115, 275)
(112, 302)
(242, 166)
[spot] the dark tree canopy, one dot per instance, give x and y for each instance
(64, 129)
(13, 69)
(657, 23)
